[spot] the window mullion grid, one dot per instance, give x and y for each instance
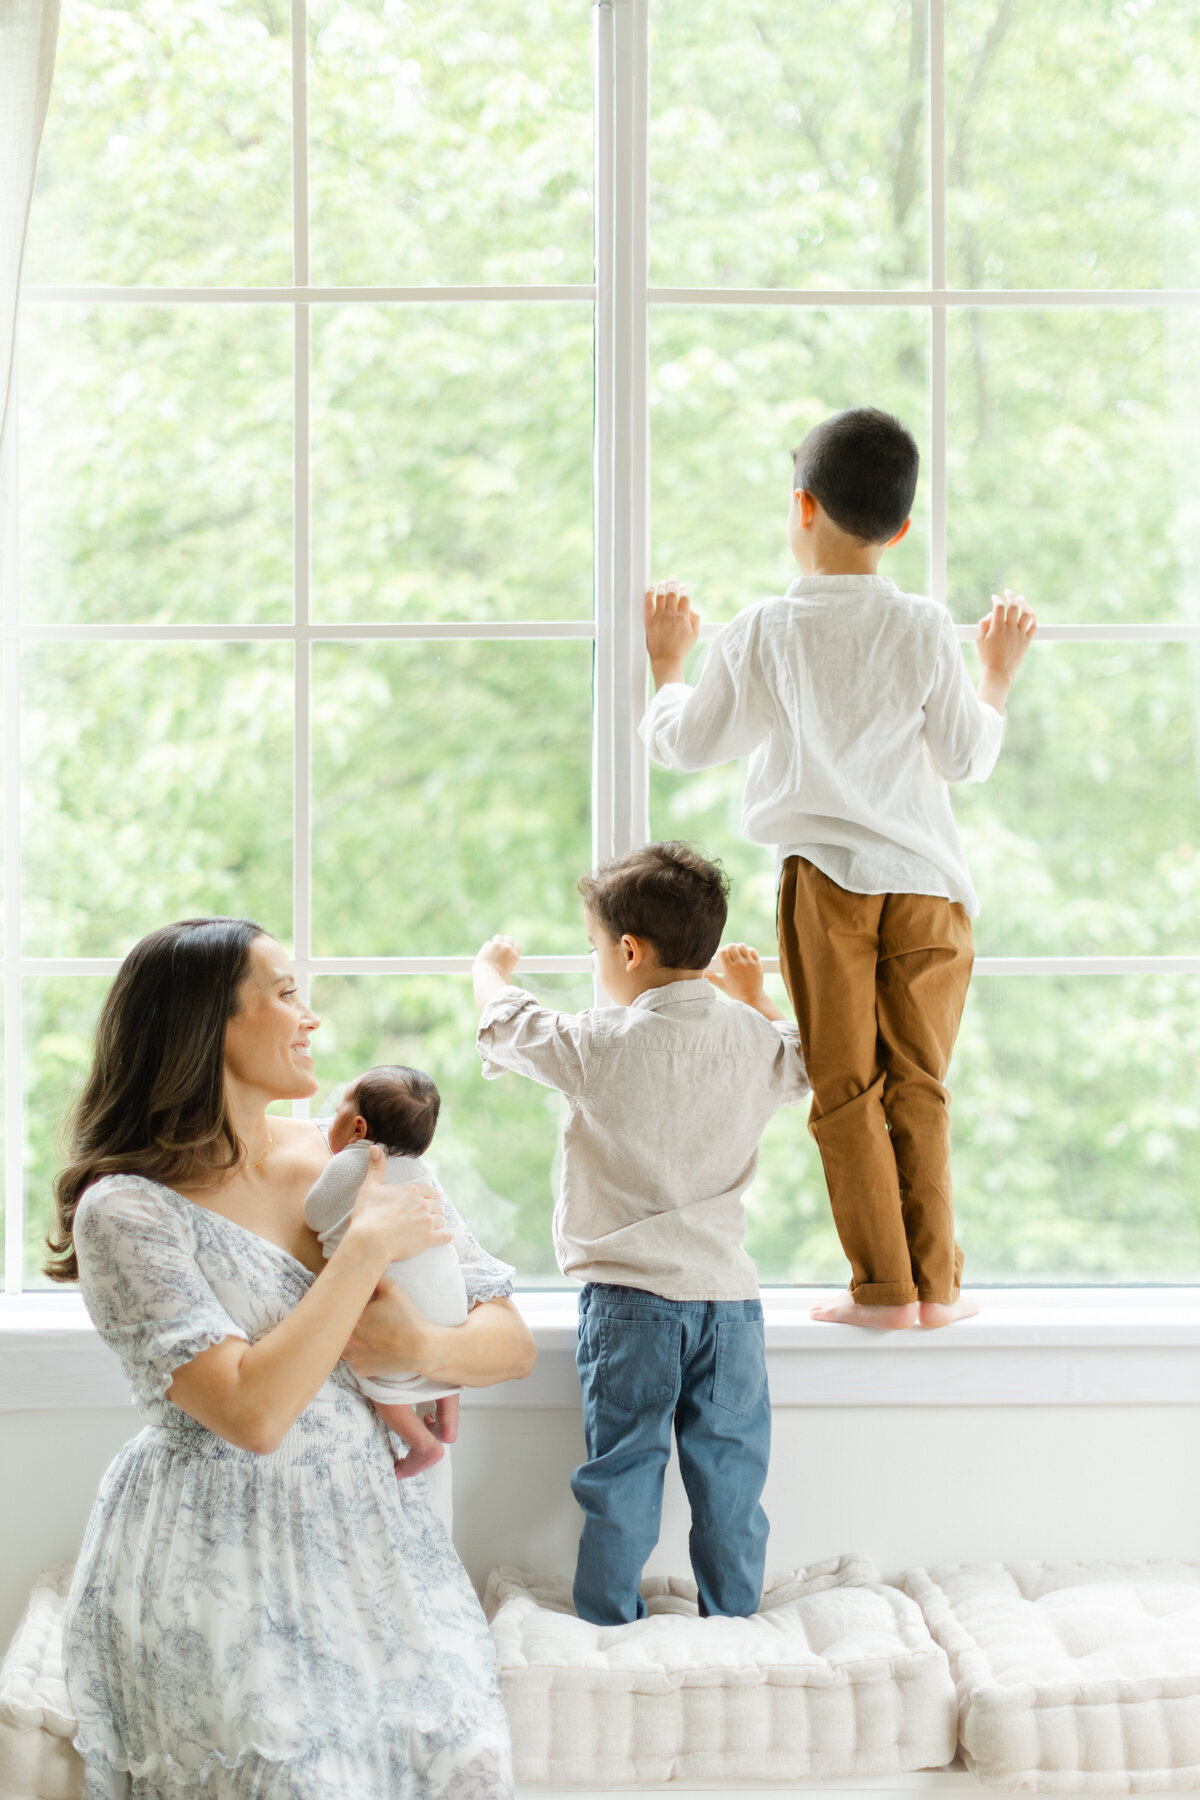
(622, 298)
(605, 449)
(301, 532)
(938, 311)
(630, 524)
(302, 674)
(10, 681)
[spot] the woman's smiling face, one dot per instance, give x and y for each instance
(266, 1040)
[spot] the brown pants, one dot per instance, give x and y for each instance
(878, 982)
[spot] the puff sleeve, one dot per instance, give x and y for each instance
(141, 1284)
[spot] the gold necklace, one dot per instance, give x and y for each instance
(262, 1159)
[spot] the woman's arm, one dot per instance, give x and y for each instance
(251, 1394)
(493, 1345)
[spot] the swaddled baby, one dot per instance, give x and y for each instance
(398, 1108)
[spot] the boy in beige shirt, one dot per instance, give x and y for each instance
(669, 1091)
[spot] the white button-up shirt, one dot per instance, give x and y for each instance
(853, 703)
(668, 1098)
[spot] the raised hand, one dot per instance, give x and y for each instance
(1005, 633)
(503, 952)
(738, 972)
(672, 629)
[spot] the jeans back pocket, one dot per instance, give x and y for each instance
(637, 1361)
(740, 1371)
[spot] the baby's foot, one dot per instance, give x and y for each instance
(933, 1314)
(417, 1461)
(847, 1311)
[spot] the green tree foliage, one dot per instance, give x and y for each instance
(451, 480)
(452, 462)
(450, 142)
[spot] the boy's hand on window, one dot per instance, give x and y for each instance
(504, 953)
(672, 630)
(1003, 639)
(493, 967)
(1004, 633)
(738, 973)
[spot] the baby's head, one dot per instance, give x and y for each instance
(662, 907)
(391, 1105)
(860, 469)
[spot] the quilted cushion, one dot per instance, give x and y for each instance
(835, 1675)
(1073, 1677)
(37, 1760)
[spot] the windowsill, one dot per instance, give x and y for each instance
(1030, 1347)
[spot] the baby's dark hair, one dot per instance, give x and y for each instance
(669, 895)
(400, 1106)
(862, 467)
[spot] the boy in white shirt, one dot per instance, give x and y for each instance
(669, 1091)
(852, 702)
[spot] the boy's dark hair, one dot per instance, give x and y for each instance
(862, 467)
(400, 1106)
(667, 894)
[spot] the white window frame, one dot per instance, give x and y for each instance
(622, 300)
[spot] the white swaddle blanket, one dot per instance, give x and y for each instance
(433, 1279)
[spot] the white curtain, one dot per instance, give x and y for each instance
(28, 34)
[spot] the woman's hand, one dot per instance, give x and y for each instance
(391, 1334)
(399, 1221)
(494, 1344)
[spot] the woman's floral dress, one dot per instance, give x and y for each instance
(294, 1626)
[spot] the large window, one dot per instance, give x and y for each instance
(372, 351)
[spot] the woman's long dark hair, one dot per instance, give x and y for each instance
(154, 1102)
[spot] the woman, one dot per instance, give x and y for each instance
(261, 1611)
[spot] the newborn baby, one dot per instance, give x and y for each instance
(398, 1108)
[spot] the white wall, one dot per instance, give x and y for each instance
(906, 1484)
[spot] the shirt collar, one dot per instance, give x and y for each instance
(671, 991)
(843, 584)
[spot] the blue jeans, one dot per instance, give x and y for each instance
(646, 1363)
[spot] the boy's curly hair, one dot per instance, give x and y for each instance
(666, 893)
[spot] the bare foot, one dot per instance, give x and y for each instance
(417, 1461)
(934, 1315)
(847, 1311)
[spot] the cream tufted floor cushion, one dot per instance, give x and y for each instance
(37, 1761)
(1073, 1677)
(836, 1675)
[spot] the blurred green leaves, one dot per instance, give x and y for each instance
(451, 480)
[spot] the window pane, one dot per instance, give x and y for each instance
(167, 152)
(156, 786)
(451, 796)
(1086, 839)
(450, 142)
(452, 462)
(59, 1017)
(1073, 144)
(156, 464)
(1077, 1130)
(1073, 446)
(732, 392)
(496, 1149)
(787, 144)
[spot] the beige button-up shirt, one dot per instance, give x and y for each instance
(668, 1098)
(853, 703)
